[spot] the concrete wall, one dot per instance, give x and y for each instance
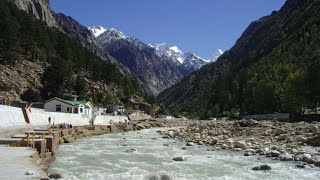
(12, 117)
(106, 119)
(12, 121)
(40, 117)
(279, 116)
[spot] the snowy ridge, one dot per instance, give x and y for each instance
(97, 30)
(188, 60)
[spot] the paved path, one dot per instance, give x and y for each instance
(16, 161)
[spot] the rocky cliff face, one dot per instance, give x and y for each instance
(66, 24)
(39, 9)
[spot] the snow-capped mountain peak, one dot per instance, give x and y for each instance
(97, 30)
(108, 35)
(216, 55)
(175, 49)
(173, 52)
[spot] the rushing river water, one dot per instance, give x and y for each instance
(106, 157)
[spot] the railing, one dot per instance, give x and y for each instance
(30, 141)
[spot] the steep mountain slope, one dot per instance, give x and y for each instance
(269, 69)
(40, 9)
(39, 62)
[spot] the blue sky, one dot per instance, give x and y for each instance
(200, 26)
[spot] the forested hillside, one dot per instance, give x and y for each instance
(273, 67)
(64, 65)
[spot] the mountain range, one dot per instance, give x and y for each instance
(271, 68)
(158, 66)
(156, 69)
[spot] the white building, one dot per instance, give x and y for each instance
(61, 105)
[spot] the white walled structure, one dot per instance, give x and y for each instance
(74, 107)
(12, 118)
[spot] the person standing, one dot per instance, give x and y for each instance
(49, 120)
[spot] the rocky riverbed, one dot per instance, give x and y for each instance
(278, 140)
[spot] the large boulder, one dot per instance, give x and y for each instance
(55, 176)
(240, 144)
(179, 159)
(314, 141)
(279, 131)
(274, 153)
(247, 123)
(214, 141)
(306, 157)
(261, 168)
(159, 177)
(190, 144)
(282, 137)
(285, 157)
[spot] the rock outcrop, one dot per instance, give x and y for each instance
(39, 9)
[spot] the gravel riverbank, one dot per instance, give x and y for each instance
(278, 140)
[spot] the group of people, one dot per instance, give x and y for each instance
(61, 126)
(65, 126)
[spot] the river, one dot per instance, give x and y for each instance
(107, 157)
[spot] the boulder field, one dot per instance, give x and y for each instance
(278, 140)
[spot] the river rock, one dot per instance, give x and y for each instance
(301, 139)
(170, 134)
(314, 128)
(55, 176)
(240, 144)
(317, 163)
(300, 166)
(214, 141)
(274, 153)
(237, 149)
(250, 150)
(247, 154)
(179, 159)
(247, 123)
(314, 141)
(159, 177)
(285, 157)
(261, 167)
(190, 144)
(305, 157)
(131, 150)
(29, 173)
(279, 131)
(282, 137)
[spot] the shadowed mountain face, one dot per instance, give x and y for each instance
(155, 73)
(157, 66)
(260, 73)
